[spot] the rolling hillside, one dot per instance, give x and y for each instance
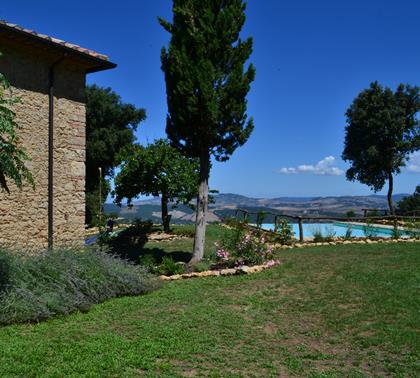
(226, 204)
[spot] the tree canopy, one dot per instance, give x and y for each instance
(110, 127)
(206, 85)
(411, 203)
(382, 130)
(157, 170)
(12, 155)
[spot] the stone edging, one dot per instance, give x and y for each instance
(259, 268)
(346, 242)
(223, 272)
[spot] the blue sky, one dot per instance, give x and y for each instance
(312, 59)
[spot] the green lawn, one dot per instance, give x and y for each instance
(214, 232)
(344, 311)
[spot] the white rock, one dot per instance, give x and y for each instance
(228, 272)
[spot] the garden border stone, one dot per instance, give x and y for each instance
(346, 242)
(223, 272)
(259, 268)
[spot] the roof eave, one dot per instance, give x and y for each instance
(102, 67)
(100, 64)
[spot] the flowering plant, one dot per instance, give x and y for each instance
(221, 253)
(244, 248)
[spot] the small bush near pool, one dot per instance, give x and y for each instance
(33, 288)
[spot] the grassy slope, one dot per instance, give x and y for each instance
(337, 311)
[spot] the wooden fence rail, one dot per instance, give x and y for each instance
(301, 219)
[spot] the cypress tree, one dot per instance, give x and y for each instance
(207, 84)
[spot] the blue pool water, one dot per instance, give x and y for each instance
(335, 229)
(92, 240)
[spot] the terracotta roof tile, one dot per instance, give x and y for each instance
(54, 40)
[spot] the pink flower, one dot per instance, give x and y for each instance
(222, 254)
(239, 263)
(272, 263)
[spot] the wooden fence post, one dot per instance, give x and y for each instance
(396, 231)
(276, 224)
(300, 229)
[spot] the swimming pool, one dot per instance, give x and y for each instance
(336, 229)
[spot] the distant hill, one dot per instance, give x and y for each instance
(226, 204)
(182, 214)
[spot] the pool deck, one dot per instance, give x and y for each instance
(376, 225)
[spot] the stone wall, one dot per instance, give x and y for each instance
(24, 214)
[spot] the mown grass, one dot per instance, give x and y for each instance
(326, 312)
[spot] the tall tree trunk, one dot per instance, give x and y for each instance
(165, 214)
(390, 189)
(202, 205)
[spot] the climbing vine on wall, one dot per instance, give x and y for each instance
(12, 155)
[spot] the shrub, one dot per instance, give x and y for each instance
(230, 221)
(149, 262)
(260, 218)
(62, 281)
(243, 247)
(105, 238)
(185, 230)
(285, 233)
(5, 270)
(410, 204)
(141, 227)
(396, 233)
(373, 213)
(350, 214)
(231, 237)
(202, 266)
(349, 232)
(317, 235)
(169, 267)
(369, 230)
(412, 228)
(329, 233)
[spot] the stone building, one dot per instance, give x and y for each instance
(48, 75)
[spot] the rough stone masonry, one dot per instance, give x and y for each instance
(26, 62)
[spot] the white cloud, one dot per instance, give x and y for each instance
(288, 171)
(325, 167)
(413, 164)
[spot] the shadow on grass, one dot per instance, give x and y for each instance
(130, 245)
(158, 254)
